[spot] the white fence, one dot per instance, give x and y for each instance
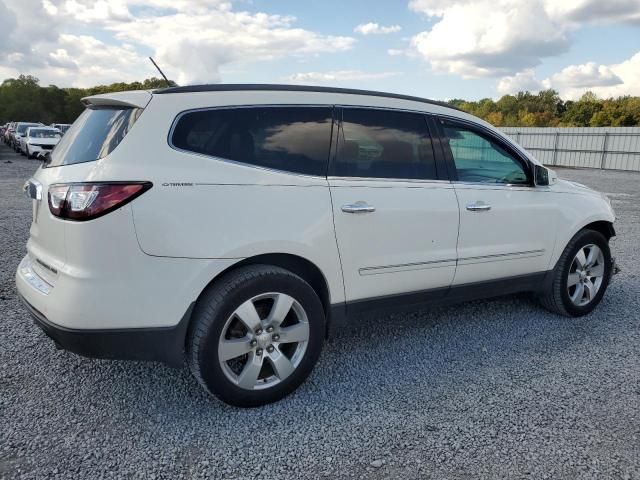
(614, 148)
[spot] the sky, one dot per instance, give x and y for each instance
(440, 49)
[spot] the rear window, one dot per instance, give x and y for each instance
(294, 139)
(94, 135)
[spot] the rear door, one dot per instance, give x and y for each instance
(395, 213)
(507, 225)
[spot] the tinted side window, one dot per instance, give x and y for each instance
(480, 159)
(294, 139)
(384, 144)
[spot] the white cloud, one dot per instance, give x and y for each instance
(604, 80)
(519, 82)
(194, 47)
(97, 11)
(595, 11)
(338, 76)
(476, 38)
(372, 28)
(587, 75)
(573, 81)
(191, 39)
(488, 38)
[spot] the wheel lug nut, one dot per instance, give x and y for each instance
(276, 337)
(259, 352)
(269, 329)
(259, 331)
(270, 349)
(253, 343)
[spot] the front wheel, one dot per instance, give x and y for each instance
(256, 335)
(581, 275)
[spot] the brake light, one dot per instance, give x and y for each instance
(85, 201)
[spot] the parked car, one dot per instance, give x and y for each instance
(8, 134)
(39, 140)
(232, 225)
(20, 131)
(63, 127)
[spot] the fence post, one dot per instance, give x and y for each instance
(555, 149)
(605, 145)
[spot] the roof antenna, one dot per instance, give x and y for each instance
(161, 72)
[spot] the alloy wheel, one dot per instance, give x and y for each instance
(263, 341)
(586, 275)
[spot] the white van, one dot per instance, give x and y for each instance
(231, 225)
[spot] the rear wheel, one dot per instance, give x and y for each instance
(256, 335)
(581, 276)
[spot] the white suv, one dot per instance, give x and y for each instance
(231, 225)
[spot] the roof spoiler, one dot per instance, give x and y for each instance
(135, 98)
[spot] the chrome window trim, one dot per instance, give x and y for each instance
(390, 180)
(494, 186)
(238, 162)
(395, 109)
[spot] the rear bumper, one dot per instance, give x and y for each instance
(155, 344)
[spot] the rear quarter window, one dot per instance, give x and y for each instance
(94, 135)
(293, 139)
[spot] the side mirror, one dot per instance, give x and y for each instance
(544, 176)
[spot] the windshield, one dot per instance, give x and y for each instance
(43, 133)
(94, 135)
(23, 127)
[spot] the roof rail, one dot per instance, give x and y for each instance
(231, 87)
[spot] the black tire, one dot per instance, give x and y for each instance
(29, 156)
(218, 303)
(557, 299)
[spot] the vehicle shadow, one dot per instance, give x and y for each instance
(369, 357)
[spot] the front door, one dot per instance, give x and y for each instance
(507, 224)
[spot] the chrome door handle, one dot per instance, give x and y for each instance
(479, 206)
(358, 207)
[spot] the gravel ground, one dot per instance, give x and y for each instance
(484, 390)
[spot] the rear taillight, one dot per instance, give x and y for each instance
(85, 201)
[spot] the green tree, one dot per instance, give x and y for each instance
(23, 99)
(579, 113)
